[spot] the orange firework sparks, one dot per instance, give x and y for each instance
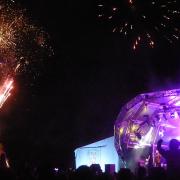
(22, 44)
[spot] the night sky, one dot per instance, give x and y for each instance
(80, 90)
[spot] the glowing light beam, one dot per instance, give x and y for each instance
(5, 91)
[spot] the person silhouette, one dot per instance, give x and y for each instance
(172, 157)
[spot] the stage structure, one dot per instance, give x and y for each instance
(142, 122)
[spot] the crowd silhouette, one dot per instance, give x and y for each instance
(172, 156)
(94, 172)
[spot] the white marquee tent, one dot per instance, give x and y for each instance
(101, 152)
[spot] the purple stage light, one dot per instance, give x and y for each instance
(144, 120)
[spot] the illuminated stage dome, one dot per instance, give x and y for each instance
(143, 121)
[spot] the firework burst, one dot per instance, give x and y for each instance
(21, 42)
(22, 45)
(142, 22)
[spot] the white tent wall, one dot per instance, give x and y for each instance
(101, 152)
